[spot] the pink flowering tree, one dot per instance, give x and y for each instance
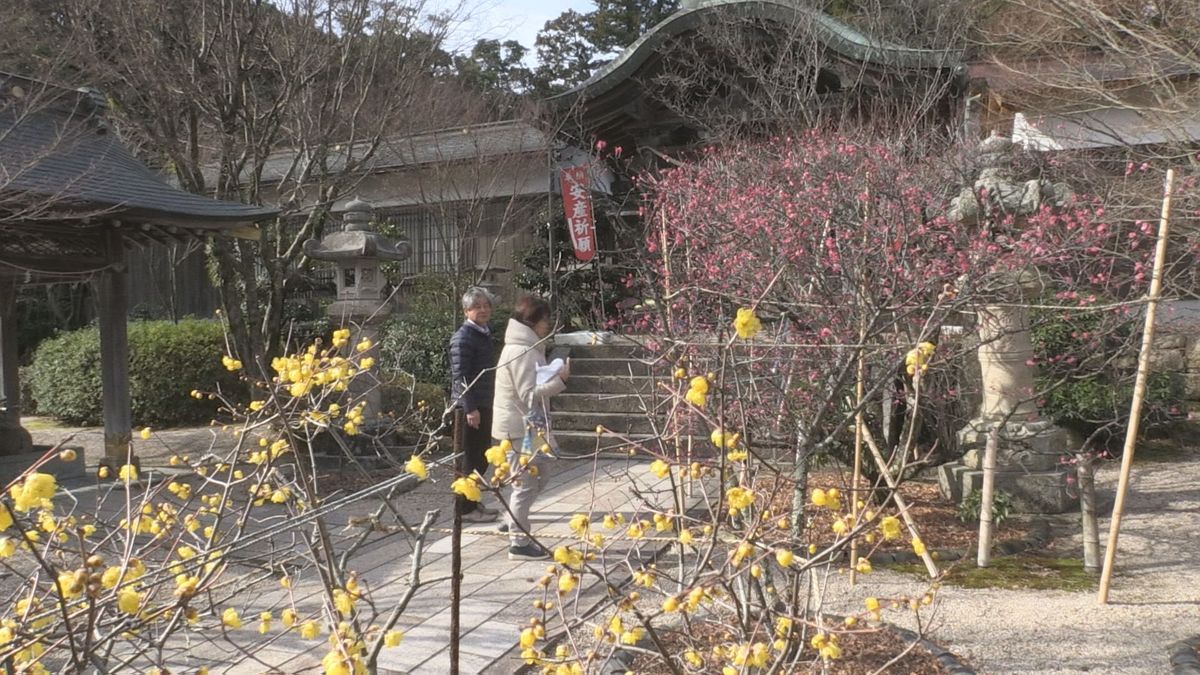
(799, 282)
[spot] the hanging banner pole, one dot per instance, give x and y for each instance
(1139, 390)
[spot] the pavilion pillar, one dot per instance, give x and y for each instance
(112, 310)
(14, 439)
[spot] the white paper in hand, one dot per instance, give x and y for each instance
(549, 371)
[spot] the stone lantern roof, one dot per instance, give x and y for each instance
(357, 241)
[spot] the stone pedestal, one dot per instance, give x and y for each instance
(1029, 449)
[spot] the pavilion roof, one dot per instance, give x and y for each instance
(60, 160)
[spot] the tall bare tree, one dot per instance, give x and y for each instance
(285, 102)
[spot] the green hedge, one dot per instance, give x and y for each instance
(415, 341)
(166, 362)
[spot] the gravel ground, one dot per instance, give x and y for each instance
(1154, 599)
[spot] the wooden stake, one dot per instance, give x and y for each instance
(460, 423)
(983, 557)
(1139, 390)
(859, 393)
(930, 566)
(1086, 475)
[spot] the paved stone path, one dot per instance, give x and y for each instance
(497, 593)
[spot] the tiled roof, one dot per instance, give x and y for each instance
(837, 35)
(468, 143)
(55, 146)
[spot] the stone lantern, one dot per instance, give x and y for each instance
(362, 304)
(1028, 454)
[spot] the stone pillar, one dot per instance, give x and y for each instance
(1028, 442)
(14, 439)
(112, 309)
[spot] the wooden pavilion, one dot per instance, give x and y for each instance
(73, 201)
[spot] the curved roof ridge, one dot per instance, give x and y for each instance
(836, 34)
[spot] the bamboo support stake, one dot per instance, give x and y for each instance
(1139, 390)
(859, 394)
(930, 566)
(983, 557)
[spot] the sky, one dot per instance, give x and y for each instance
(518, 20)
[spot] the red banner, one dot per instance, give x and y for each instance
(577, 202)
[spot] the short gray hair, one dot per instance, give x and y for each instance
(474, 294)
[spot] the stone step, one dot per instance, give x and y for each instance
(580, 443)
(618, 367)
(609, 403)
(595, 384)
(609, 351)
(625, 423)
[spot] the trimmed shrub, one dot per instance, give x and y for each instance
(1086, 388)
(166, 362)
(415, 341)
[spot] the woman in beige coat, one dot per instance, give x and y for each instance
(519, 400)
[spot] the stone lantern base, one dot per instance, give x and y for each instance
(1027, 466)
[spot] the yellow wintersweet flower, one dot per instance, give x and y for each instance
(784, 557)
(660, 468)
(696, 398)
(819, 498)
(467, 487)
(671, 604)
(699, 384)
(343, 602)
(863, 566)
(335, 664)
(36, 488)
(128, 473)
(363, 345)
(579, 523)
(567, 582)
(685, 537)
(145, 433)
(918, 358)
(366, 363)
(496, 455)
(528, 638)
(264, 622)
(746, 324)
(6, 519)
(739, 498)
(68, 455)
(918, 546)
(872, 604)
(890, 526)
(231, 364)
(7, 547)
(129, 600)
(230, 618)
(309, 630)
(416, 466)
(392, 638)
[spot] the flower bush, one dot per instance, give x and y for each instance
(162, 563)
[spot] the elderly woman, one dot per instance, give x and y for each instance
(520, 409)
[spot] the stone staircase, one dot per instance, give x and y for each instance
(614, 386)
